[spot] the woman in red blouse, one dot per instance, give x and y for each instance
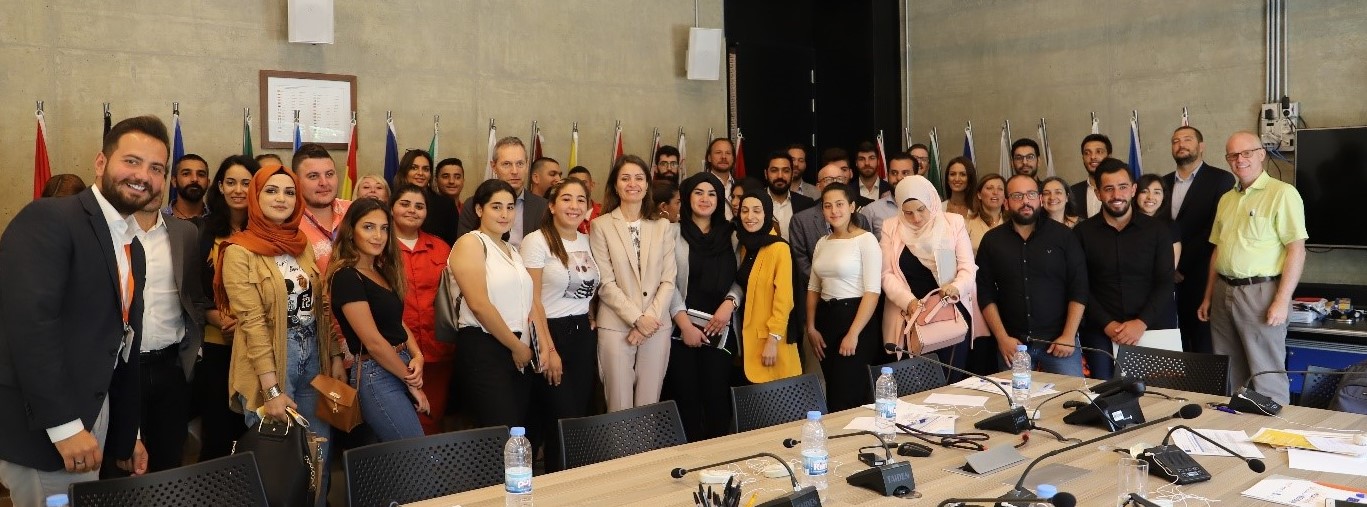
(424, 259)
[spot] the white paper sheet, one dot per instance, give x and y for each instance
(1196, 446)
(1315, 461)
(932, 423)
(1296, 492)
(962, 400)
(904, 407)
(1337, 446)
(977, 384)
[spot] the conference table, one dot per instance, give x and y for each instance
(644, 479)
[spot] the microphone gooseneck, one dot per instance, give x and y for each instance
(678, 473)
(1254, 464)
(893, 348)
(887, 455)
(1189, 411)
(1059, 500)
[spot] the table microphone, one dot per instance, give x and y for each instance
(1120, 378)
(1113, 409)
(1189, 411)
(1245, 399)
(1059, 500)
(888, 479)
(1014, 420)
(1173, 464)
(800, 497)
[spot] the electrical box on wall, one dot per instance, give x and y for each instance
(1277, 125)
(310, 21)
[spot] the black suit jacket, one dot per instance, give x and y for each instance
(533, 211)
(1196, 218)
(186, 261)
(800, 202)
(1079, 198)
(63, 325)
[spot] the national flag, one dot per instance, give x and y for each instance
(882, 158)
(42, 166)
(108, 121)
(617, 149)
(247, 131)
(1185, 122)
(1136, 161)
(1048, 151)
(655, 146)
(493, 141)
(1004, 168)
(683, 153)
(1096, 124)
(574, 144)
(933, 173)
(298, 132)
(391, 148)
(968, 142)
(432, 146)
(738, 170)
(537, 142)
(177, 145)
(349, 177)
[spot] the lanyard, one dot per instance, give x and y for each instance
(128, 285)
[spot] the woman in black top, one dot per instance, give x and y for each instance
(366, 286)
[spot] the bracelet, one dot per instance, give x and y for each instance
(776, 337)
(273, 392)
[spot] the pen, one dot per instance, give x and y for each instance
(1225, 409)
(753, 497)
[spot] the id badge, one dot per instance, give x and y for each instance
(126, 345)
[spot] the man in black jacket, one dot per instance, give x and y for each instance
(1194, 190)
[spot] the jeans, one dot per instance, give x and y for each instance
(301, 365)
(1041, 360)
(385, 402)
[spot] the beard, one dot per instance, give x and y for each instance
(192, 192)
(666, 176)
(110, 189)
(1184, 160)
(1124, 209)
(1018, 219)
(778, 187)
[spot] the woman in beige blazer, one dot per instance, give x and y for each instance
(636, 255)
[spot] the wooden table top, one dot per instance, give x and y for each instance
(644, 479)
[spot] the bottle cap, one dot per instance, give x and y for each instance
(887, 370)
(1021, 348)
(517, 431)
(1046, 491)
(814, 415)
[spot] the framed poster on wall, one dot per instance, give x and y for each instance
(324, 103)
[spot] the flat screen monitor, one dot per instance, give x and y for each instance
(1331, 175)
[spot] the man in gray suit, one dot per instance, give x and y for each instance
(510, 165)
(173, 330)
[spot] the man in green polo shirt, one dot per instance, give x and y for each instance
(1259, 237)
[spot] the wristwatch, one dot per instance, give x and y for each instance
(273, 392)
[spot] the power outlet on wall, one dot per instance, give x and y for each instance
(1277, 125)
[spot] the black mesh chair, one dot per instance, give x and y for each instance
(1187, 371)
(230, 480)
(416, 469)
(775, 402)
(589, 440)
(913, 375)
(1319, 389)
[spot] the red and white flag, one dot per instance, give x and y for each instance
(617, 149)
(42, 166)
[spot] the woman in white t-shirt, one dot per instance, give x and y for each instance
(564, 281)
(842, 301)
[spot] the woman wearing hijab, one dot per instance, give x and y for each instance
(766, 272)
(701, 357)
(925, 249)
(268, 277)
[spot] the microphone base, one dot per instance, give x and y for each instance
(1018, 497)
(1112, 413)
(1012, 421)
(805, 497)
(891, 479)
(1174, 465)
(1248, 401)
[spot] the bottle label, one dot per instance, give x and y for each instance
(815, 462)
(886, 408)
(518, 480)
(1020, 381)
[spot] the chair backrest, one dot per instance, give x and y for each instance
(230, 480)
(1319, 389)
(415, 469)
(912, 374)
(1187, 371)
(588, 440)
(775, 402)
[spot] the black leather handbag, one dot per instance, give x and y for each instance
(289, 457)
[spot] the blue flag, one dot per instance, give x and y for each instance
(298, 135)
(177, 151)
(391, 153)
(1135, 159)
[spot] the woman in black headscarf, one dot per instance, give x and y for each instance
(704, 349)
(766, 273)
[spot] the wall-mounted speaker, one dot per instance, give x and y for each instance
(310, 21)
(704, 53)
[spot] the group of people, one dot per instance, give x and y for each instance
(124, 317)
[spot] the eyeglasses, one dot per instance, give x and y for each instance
(831, 179)
(668, 163)
(1020, 196)
(1019, 158)
(1241, 154)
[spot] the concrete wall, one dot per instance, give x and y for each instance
(987, 61)
(557, 62)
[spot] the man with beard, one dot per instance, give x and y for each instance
(1195, 189)
(779, 176)
(1129, 269)
(900, 165)
(721, 159)
(1032, 283)
(798, 153)
(921, 153)
(666, 164)
(1259, 236)
(870, 186)
(323, 211)
(72, 313)
(191, 176)
(1025, 157)
(1095, 148)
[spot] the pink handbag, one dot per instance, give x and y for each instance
(936, 325)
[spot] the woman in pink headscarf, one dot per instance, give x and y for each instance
(925, 249)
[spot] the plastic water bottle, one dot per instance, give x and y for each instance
(815, 460)
(885, 396)
(517, 468)
(1020, 376)
(1045, 491)
(59, 500)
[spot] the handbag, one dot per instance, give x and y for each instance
(290, 458)
(338, 403)
(936, 325)
(447, 307)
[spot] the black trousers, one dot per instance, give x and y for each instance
(219, 425)
(1195, 333)
(578, 349)
(499, 394)
(699, 382)
(847, 377)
